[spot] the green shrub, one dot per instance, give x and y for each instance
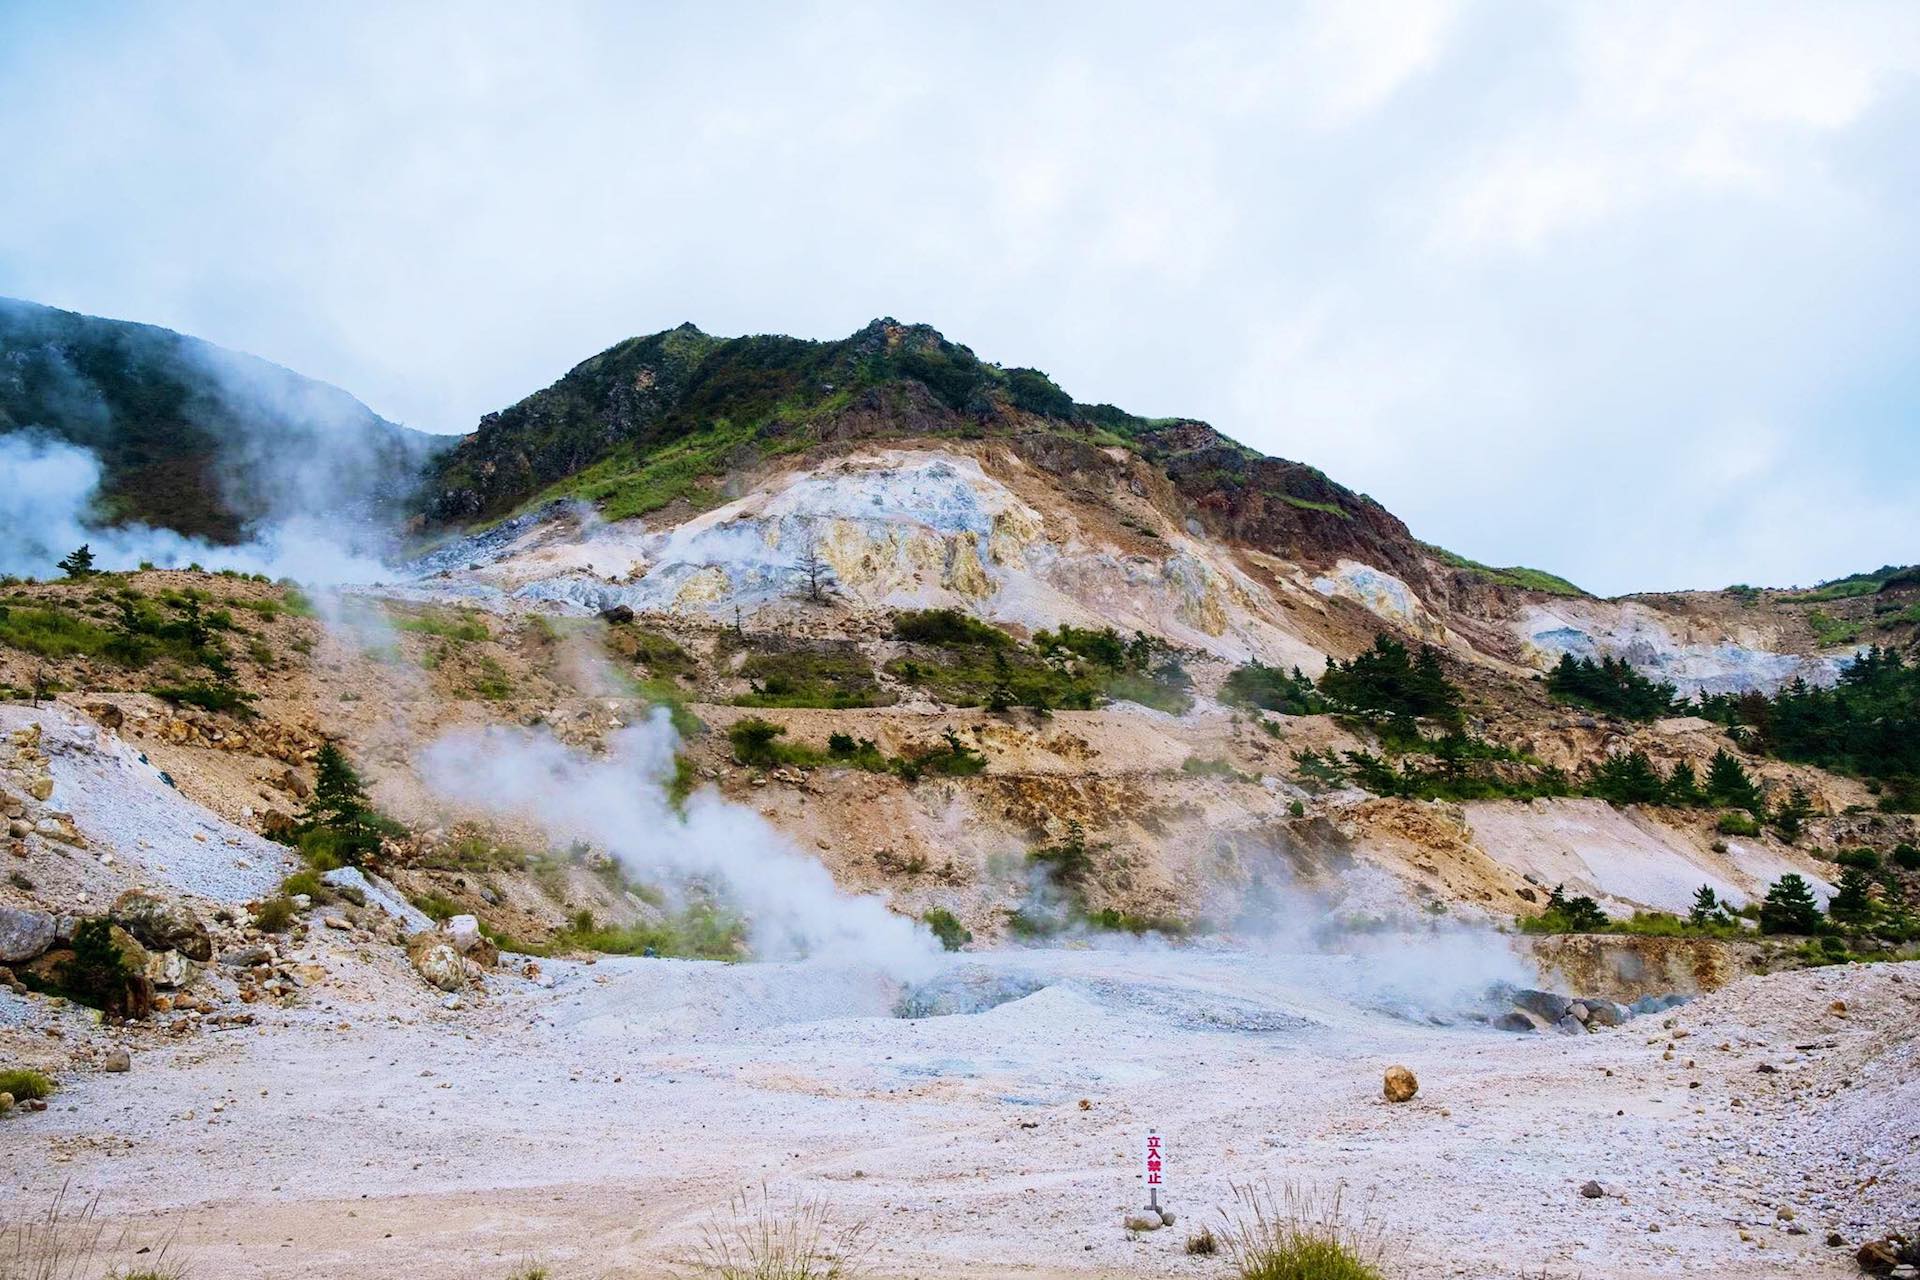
(99, 973)
(755, 742)
(208, 697)
(307, 882)
(275, 914)
(25, 1084)
(1579, 914)
(947, 927)
(1270, 689)
(1863, 858)
(947, 627)
(1737, 824)
(1212, 769)
(1906, 857)
(1387, 681)
(699, 931)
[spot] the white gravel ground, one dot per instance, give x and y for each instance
(597, 1124)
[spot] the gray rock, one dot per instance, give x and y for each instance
(1144, 1220)
(1569, 1025)
(162, 925)
(169, 969)
(245, 957)
(1606, 1013)
(1515, 1020)
(24, 934)
(1544, 1004)
(117, 1060)
(1592, 1190)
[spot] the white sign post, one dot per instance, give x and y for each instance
(1156, 1165)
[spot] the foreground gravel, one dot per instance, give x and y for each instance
(596, 1124)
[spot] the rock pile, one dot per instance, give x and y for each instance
(26, 790)
(1527, 1010)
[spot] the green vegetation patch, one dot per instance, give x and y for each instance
(1517, 576)
(463, 626)
(1829, 631)
(1611, 686)
(838, 676)
(1867, 724)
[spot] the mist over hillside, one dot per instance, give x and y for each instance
(112, 425)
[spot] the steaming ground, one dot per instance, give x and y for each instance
(597, 1123)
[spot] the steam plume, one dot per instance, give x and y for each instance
(620, 803)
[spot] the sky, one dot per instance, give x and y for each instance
(1621, 290)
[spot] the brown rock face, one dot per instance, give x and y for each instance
(1401, 1084)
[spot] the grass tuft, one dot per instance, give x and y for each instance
(25, 1084)
(758, 1239)
(1290, 1233)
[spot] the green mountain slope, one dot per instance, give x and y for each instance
(191, 436)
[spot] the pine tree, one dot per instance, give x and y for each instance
(1853, 898)
(1792, 813)
(1789, 907)
(1728, 784)
(1628, 778)
(1706, 908)
(1000, 697)
(78, 564)
(1683, 786)
(339, 806)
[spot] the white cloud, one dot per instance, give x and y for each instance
(1492, 262)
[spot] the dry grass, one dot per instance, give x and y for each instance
(1203, 1243)
(68, 1242)
(759, 1239)
(1293, 1233)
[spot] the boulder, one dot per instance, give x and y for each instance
(117, 1060)
(1877, 1257)
(1606, 1013)
(618, 614)
(1515, 1020)
(437, 962)
(24, 934)
(1542, 1004)
(161, 924)
(1570, 1026)
(246, 957)
(463, 932)
(169, 970)
(1401, 1084)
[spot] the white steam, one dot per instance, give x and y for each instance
(619, 802)
(47, 493)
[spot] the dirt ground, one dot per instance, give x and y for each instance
(596, 1125)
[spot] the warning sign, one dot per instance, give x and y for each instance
(1156, 1167)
